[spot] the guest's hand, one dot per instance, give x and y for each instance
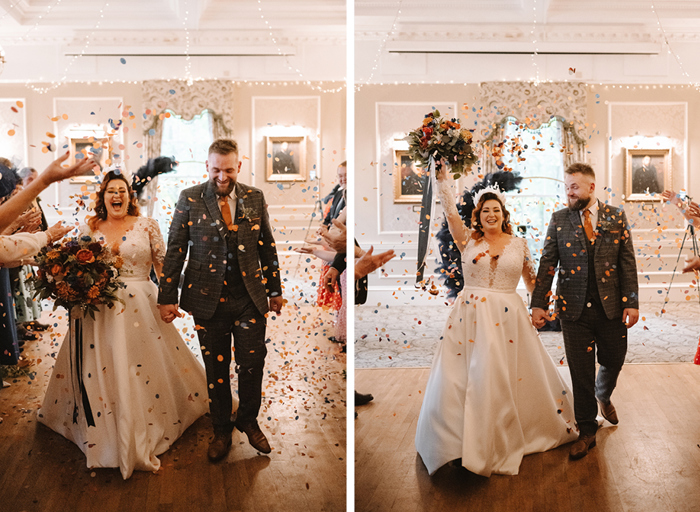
(337, 238)
(306, 250)
(29, 221)
(276, 304)
(331, 279)
(672, 197)
(58, 231)
(540, 317)
(692, 264)
(370, 262)
(168, 312)
(55, 172)
(630, 316)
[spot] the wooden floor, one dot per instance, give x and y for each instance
(649, 462)
(306, 471)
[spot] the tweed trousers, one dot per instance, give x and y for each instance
(593, 334)
(235, 316)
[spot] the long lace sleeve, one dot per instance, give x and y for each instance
(14, 249)
(445, 192)
(529, 274)
(157, 243)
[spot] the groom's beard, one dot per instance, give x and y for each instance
(579, 204)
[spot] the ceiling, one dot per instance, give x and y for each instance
(477, 40)
(238, 39)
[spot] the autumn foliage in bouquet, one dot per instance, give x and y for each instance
(442, 138)
(78, 272)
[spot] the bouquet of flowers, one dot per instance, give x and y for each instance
(78, 272)
(442, 138)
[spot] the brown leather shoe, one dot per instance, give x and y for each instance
(256, 438)
(581, 446)
(219, 447)
(608, 412)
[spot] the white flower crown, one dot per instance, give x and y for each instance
(491, 189)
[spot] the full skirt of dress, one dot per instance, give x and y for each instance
(144, 385)
(494, 393)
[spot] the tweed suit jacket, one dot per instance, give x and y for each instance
(198, 229)
(565, 251)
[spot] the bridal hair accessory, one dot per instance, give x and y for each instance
(490, 189)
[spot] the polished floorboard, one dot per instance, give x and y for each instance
(649, 462)
(304, 417)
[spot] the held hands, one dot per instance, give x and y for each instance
(630, 316)
(276, 304)
(540, 317)
(168, 312)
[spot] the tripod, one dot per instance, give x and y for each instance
(690, 230)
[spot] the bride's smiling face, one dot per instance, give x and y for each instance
(116, 199)
(491, 216)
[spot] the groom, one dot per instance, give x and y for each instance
(231, 281)
(597, 296)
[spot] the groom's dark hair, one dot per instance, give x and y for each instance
(223, 147)
(584, 169)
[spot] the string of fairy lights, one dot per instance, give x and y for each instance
(88, 39)
(662, 32)
(533, 34)
(380, 50)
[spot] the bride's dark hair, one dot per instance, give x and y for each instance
(101, 210)
(478, 229)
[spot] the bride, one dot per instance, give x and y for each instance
(144, 386)
(494, 394)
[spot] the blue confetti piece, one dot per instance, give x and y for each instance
(122, 60)
(172, 91)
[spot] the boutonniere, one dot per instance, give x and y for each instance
(605, 225)
(247, 213)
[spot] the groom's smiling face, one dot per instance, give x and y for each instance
(223, 171)
(579, 190)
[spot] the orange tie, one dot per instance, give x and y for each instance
(226, 212)
(587, 226)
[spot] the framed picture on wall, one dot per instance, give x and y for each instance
(408, 179)
(98, 148)
(648, 173)
(285, 158)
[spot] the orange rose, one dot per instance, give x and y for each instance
(85, 256)
(56, 270)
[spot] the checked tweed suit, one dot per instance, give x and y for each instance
(228, 279)
(596, 282)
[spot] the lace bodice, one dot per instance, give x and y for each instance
(479, 269)
(502, 273)
(141, 247)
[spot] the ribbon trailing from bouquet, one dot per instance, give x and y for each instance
(75, 335)
(426, 218)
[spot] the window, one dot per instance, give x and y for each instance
(188, 142)
(537, 155)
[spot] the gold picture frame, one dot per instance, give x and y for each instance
(408, 179)
(648, 172)
(100, 148)
(285, 158)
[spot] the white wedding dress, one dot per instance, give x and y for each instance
(494, 393)
(144, 385)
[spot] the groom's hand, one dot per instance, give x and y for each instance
(539, 317)
(630, 316)
(168, 312)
